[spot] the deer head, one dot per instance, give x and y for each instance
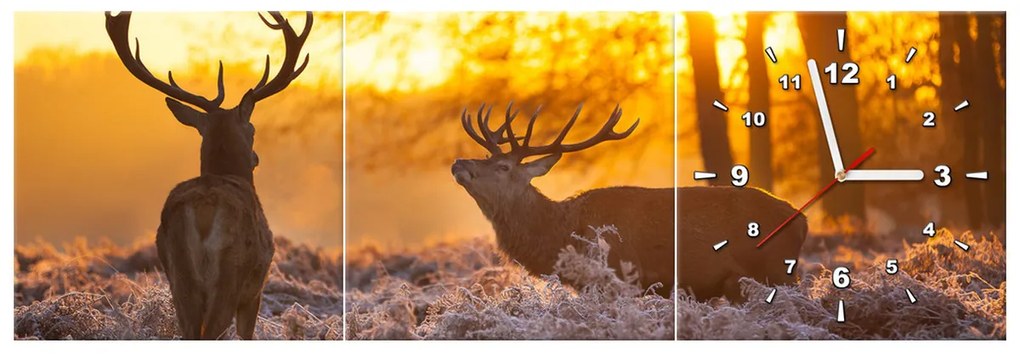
(504, 178)
(227, 134)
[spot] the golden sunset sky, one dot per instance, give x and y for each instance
(97, 151)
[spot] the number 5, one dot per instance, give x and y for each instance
(891, 267)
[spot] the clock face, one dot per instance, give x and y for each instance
(880, 165)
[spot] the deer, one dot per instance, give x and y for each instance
(213, 241)
(531, 229)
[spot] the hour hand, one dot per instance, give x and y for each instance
(823, 110)
(884, 175)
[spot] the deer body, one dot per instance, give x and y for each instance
(215, 247)
(213, 239)
(532, 229)
(710, 214)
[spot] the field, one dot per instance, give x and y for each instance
(467, 290)
(105, 291)
(960, 295)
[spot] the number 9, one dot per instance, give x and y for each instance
(740, 175)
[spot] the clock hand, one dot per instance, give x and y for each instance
(823, 109)
(853, 165)
(884, 175)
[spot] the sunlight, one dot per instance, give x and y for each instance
(177, 41)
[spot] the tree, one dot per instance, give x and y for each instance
(950, 91)
(971, 130)
(715, 142)
(818, 31)
(992, 118)
(758, 99)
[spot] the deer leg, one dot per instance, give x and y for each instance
(247, 314)
(219, 312)
(189, 316)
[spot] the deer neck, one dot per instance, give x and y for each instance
(222, 154)
(532, 229)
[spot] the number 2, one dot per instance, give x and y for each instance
(929, 119)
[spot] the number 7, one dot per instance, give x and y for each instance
(790, 263)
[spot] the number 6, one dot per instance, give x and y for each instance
(841, 277)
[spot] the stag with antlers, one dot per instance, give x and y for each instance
(213, 240)
(532, 229)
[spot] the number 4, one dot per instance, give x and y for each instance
(929, 229)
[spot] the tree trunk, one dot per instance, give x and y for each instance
(950, 94)
(991, 106)
(715, 142)
(758, 100)
(818, 31)
(969, 120)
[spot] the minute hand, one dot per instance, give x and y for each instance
(823, 110)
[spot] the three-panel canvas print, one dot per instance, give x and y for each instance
(509, 175)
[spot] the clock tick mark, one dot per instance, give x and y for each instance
(771, 54)
(840, 313)
(841, 35)
(962, 105)
(910, 295)
(910, 55)
(772, 295)
(720, 106)
(720, 245)
(703, 175)
(981, 175)
(963, 246)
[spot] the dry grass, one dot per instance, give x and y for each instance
(104, 291)
(468, 291)
(961, 295)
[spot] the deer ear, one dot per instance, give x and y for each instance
(541, 166)
(247, 105)
(186, 115)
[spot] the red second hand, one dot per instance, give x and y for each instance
(852, 166)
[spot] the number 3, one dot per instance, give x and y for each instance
(944, 178)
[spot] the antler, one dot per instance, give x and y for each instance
(117, 29)
(521, 148)
(293, 43)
